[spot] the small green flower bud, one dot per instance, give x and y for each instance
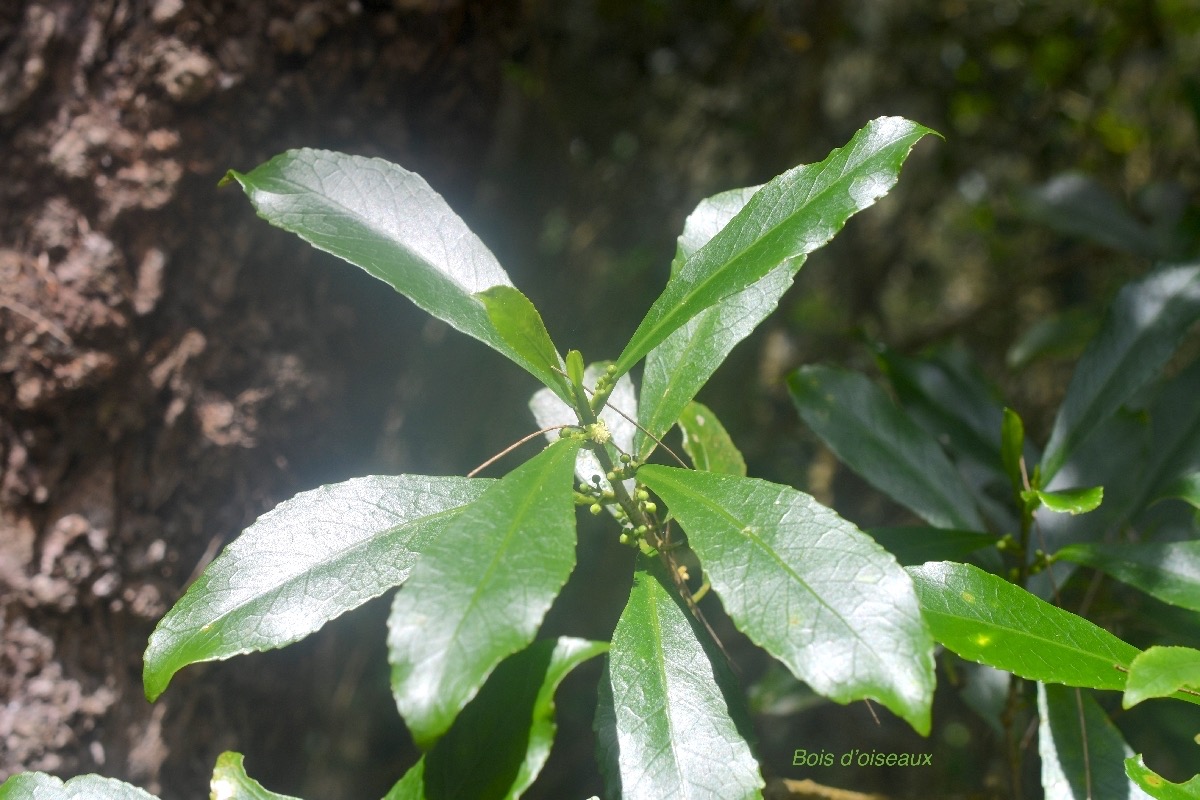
(612, 476)
(625, 459)
(650, 507)
(643, 495)
(595, 509)
(623, 538)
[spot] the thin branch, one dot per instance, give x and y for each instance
(514, 446)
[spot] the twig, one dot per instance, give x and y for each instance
(514, 446)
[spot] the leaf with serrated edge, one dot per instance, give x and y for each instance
(791, 216)
(707, 442)
(986, 619)
(677, 368)
(674, 733)
(548, 410)
(1079, 764)
(318, 555)
(807, 586)
(1140, 332)
(1157, 786)
(230, 781)
(40, 786)
(1169, 571)
(480, 590)
(387, 221)
(881, 443)
(1160, 672)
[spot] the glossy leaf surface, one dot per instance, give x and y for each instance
(481, 589)
(679, 366)
(807, 586)
(1186, 489)
(882, 444)
(501, 740)
(520, 325)
(791, 216)
(387, 221)
(707, 442)
(1069, 501)
(318, 555)
(230, 781)
(1169, 571)
(986, 619)
(40, 786)
(1140, 332)
(1080, 763)
(1160, 672)
(1157, 786)
(674, 734)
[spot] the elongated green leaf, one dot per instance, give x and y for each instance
(1080, 763)
(1160, 672)
(1079, 205)
(518, 322)
(40, 786)
(791, 216)
(707, 442)
(480, 590)
(1069, 501)
(549, 410)
(411, 786)
(501, 740)
(807, 586)
(1169, 571)
(986, 619)
(388, 221)
(1186, 489)
(883, 445)
(918, 544)
(312, 558)
(230, 781)
(1140, 332)
(1012, 443)
(1174, 449)
(1060, 335)
(1156, 785)
(674, 734)
(684, 361)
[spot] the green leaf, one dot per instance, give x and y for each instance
(1060, 335)
(883, 445)
(807, 586)
(411, 786)
(480, 590)
(1080, 762)
(1169, 571)
(1012, 445)
(1140, 332)
(1068, 501)
(1156, 785)
(683, 362)
(549, 410)
(318, 555)
(791, 216)
(501, 740)
(40, 786)
(986, 619)
(1174, 447)
(1160, 672)
(673, 730)
(230, 781)
(520, 325)
(707, 442)
(918, 544)
(388, 221)
(1079, 205)
(1186, 488)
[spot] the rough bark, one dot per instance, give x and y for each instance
(163, 377)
